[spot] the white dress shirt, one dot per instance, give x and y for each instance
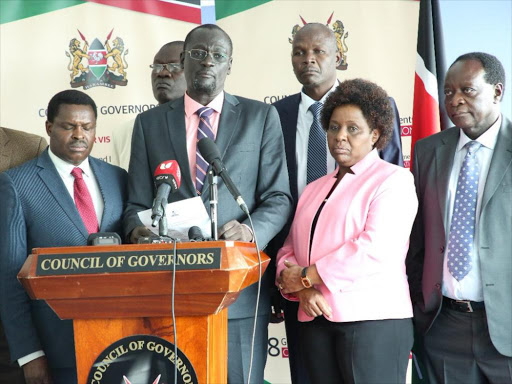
(304, 122)
(64, 170)
(470, 287)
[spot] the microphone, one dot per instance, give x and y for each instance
(167, 180)
(195, 234)
(211, 154)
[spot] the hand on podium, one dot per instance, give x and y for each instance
(138, 232)
(235, 231)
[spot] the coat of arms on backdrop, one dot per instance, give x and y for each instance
(97, 64)
(341, 36)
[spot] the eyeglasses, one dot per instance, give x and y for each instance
(200, 54)
(171, 67)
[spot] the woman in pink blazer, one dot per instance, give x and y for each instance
(344, 259)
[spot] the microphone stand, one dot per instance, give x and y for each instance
(162, 224)
(213, 203)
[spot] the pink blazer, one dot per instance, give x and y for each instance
(360, 242)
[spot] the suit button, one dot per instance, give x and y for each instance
(442, 249)
(438, 286)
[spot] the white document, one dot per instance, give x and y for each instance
(182, 215)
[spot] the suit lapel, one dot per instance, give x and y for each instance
(444, 163)
(228, 125)
(289, 117)
(51, 178)
(103, 183)
(501, 161)
(5, 151)
(178, 138)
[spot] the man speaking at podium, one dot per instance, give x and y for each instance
(56, 200)
(248, 135)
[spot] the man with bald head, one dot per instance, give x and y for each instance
(168, 84)
(315, 57)
(249, 138)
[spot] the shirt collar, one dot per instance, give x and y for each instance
(487, 139)
(64, 168)
(191, 106)
(307, 101)
(363, 164)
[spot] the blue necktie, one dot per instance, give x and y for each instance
(203, 130)
(317, 151)
(462, 228)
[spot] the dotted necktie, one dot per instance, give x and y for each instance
(462, 228)
(317, 151)
(83, 202)
(203, 130)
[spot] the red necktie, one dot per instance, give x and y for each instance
(83, 202)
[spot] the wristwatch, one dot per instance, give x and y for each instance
(306, 281)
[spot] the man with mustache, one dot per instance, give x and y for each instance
(460, 256)
(57, 199)
(315, 57)
(168, 84)
(249, 137)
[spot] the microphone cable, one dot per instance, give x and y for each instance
(174, 241)
(257, 297)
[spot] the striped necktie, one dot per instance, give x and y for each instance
(203, 130)
(83, 202)
(317, 151)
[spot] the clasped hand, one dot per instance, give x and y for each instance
(311, 300)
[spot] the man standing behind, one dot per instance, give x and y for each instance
(55, 200)
(315, 57)
(168, 84)
(459, 262)
(16, 147)
(249, 137)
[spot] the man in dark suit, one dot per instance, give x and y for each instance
(460, 257)
(249, 137)
(168, 83)
(16, 147)
(55, 200)
(315, 57)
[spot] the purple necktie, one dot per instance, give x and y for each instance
(203, 130)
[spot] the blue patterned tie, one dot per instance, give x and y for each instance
(462, 228)
(203, 130)
(317, 151)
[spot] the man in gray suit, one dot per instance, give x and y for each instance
(16, 147)
(54, 200)
(460, 257)
(248, 135)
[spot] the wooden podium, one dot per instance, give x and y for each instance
(111, 292)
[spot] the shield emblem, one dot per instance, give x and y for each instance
(97, 61)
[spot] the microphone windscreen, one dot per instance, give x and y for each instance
(194, 233)
(208, 149)
(165, 170)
